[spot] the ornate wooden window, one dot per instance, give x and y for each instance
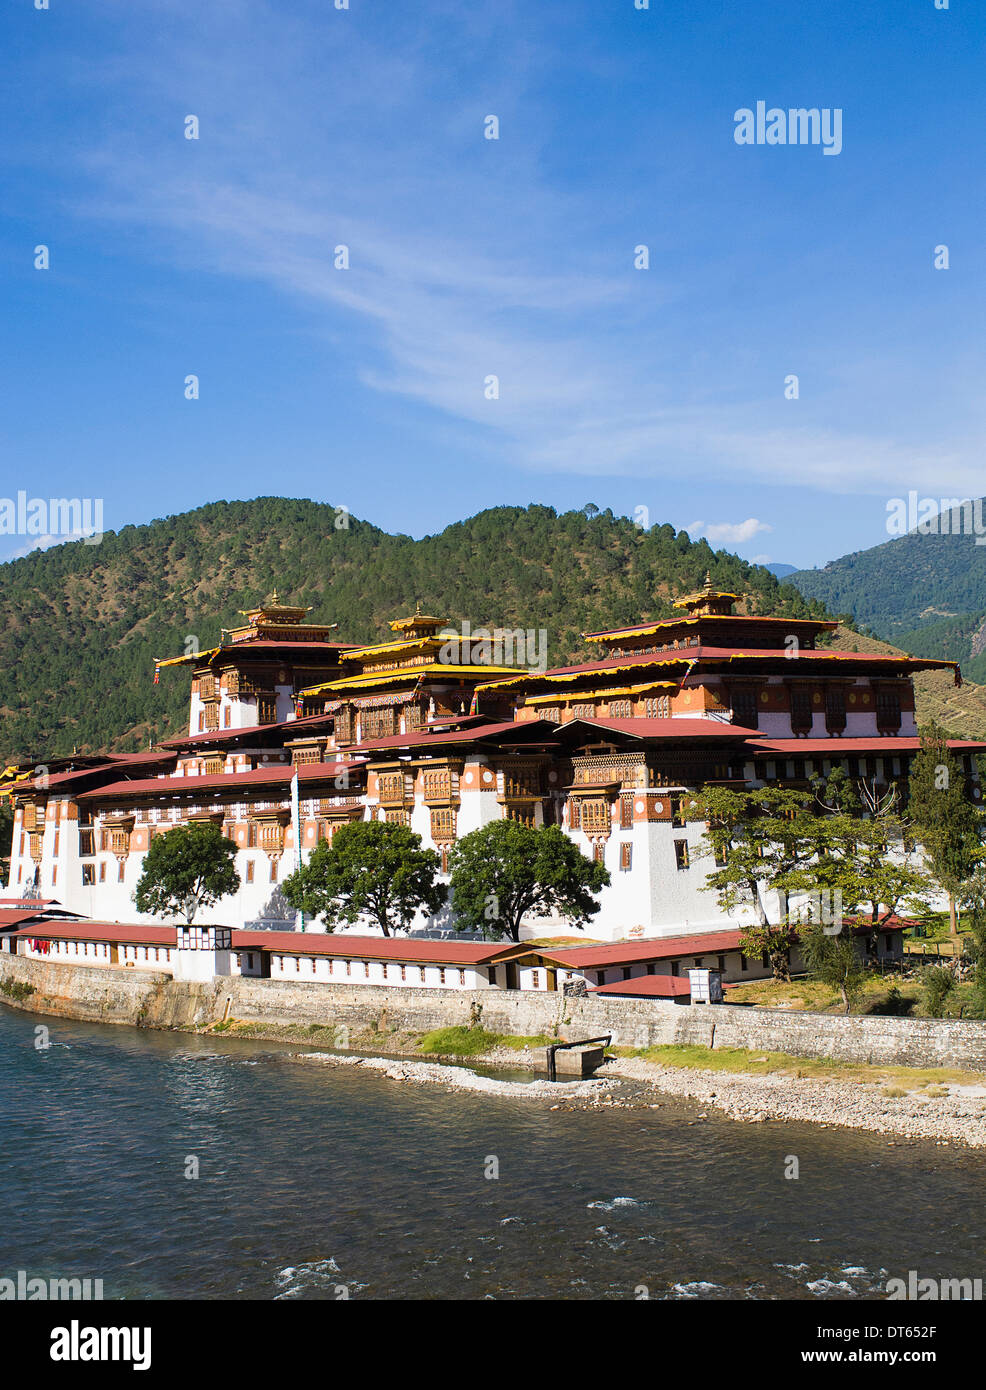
(88, 875)
(442, 823)
(377, 723)
(583, 711)
(207, 689)
(438, 784)
(574, 813)
(393, 817)
(86, 846)
(120, 841)
(394, 788)
(626, 810)
(599, 851)
(743, 706)
(519, 779)
(215, 763)
(301, 756)
(412, 717)
(621, 709)
(271, 835)
(626, 856)
(887, 708)
(800, 711)
(835, 709)
(344, 725)
(596, 818)
(681, 853)
(266, 709)
(658, 707)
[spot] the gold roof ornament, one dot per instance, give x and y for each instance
(708, 601)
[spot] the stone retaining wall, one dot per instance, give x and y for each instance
(152, 999)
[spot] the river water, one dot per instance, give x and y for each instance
(316, 1180)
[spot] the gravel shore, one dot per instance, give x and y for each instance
(958, 1117)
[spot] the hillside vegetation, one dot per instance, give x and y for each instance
(924, 593)
(83, 624)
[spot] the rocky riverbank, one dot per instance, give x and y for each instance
(951, 1114)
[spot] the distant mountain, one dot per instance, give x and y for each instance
(924, 593)
(82, 624)
(781, 571)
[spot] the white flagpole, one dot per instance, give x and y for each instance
(299, 921)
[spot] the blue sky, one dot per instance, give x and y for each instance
(659, 388)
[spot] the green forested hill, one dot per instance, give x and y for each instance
(904, 584)
(82, 624)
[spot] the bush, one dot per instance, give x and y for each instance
(938, 983)
(15, 989)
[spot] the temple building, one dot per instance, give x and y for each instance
(430, 733)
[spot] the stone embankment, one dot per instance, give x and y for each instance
(951, 1113)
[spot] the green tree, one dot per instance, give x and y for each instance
(863, 862)
(973, 901)
(505, 870)
(834, 961)
(758, 838)
(944, 820)
(938, 983)
(185, 869)
(368, 869)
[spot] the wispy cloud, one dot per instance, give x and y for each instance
(733, 532)
(463, 263)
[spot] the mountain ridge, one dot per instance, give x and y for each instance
(84, 623)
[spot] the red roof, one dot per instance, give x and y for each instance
(705, 653)
(417, 739)
(129, 933)
(250, 731)
(680, 620)
(648, 987)
(115, 764)
(685, 727)
(10, 919)
(225, 781)
(352, 947)
(656, 948)
(891, 743)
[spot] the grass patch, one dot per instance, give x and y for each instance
(459, 1042)
(533, 1040)
(750, 1063)
(812, 997)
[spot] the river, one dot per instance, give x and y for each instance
(321, 1182)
